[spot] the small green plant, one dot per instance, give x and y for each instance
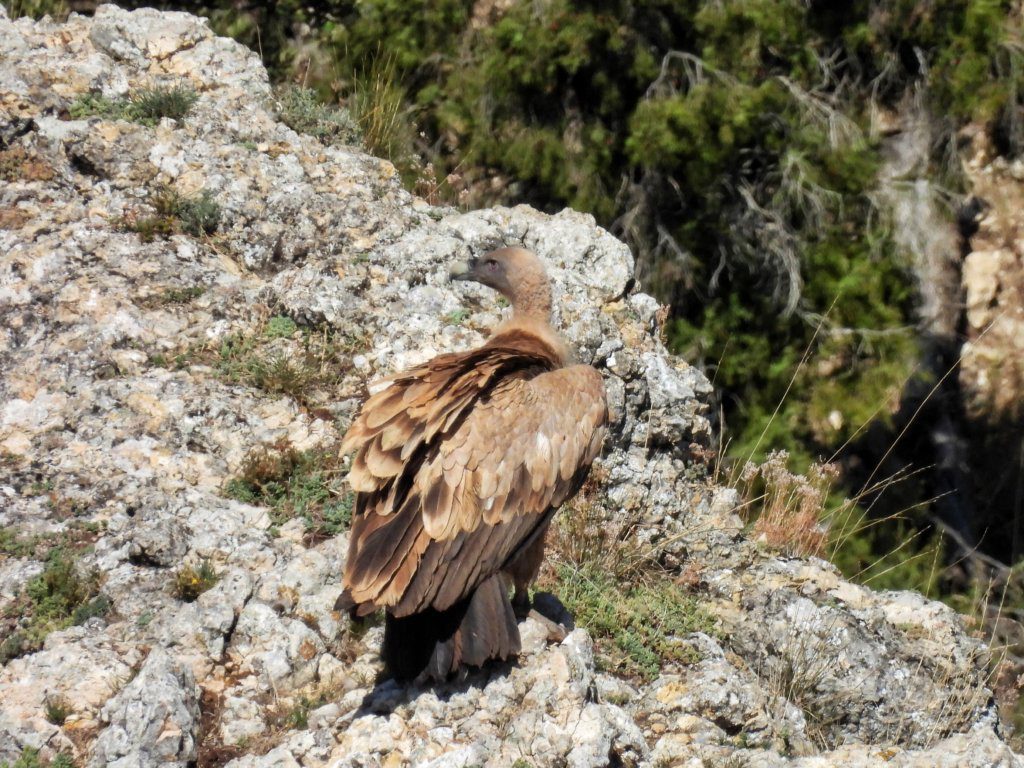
(150, 105)
(280, 327)
(62, 595)
(148, 228)
(98, 606)
(12, 543)
(301, 110)
(182, 295)
(331, 519)
(284, 374)
(56, 710)
(199, 215)
(60, 588)
(172, 213)
(298, 717)
(97, 105)
(457, 317)
(296, 484)
(29, 758)
(36, 9)
(146, 106)
(13, 646)
(40, 488)
(191, 581)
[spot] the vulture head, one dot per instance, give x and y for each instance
(515, 273)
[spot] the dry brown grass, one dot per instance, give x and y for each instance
(584, 535)
(790, 508)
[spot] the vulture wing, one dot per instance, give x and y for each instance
(459, 464)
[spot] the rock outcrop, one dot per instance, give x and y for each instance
(991, 370)
(128, 406)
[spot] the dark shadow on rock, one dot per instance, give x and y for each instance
(388, 693)
(551, 608)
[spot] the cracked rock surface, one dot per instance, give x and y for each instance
(119, 439)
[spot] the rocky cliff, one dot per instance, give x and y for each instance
(991, 372)
(193, 306)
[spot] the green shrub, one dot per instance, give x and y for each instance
(60, 589)
(96, 105)
(302, 111)
(199, 215)
(150, 105)
(14, 544)
(280, 327)
(57, 710)
(182, 295)
(29, 758)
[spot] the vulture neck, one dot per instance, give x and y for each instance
(531, 299)
(531, 315)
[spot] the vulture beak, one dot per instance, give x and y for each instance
(462, 270)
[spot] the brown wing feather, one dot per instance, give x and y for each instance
(495, 432)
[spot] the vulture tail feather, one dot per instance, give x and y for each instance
(434, 644)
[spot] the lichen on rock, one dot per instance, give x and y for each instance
(146, 390)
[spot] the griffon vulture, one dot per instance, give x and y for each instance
(459, 465)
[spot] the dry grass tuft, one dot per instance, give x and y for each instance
(791, 508)
(173, 213)
(377, 104)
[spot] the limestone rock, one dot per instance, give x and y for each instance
(154, 720)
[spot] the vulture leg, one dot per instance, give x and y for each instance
(521, 602)
(523, 569)
(433, 644)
